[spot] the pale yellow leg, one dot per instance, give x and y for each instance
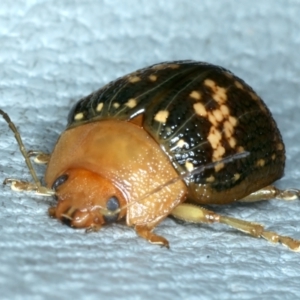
(196, 214)
(24, 186)
(147, 234)
(18, 185)
(271, 192)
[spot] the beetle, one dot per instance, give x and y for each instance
(162, 141)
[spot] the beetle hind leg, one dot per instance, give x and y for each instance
(271, 192)
(196, 214)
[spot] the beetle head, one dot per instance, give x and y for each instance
(86, 199)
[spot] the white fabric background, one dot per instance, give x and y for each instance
(54, 52)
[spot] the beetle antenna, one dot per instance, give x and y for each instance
(196, 171)
(22, 148)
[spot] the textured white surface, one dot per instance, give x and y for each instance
(54, 52)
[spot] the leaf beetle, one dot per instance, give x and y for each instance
(161, 141)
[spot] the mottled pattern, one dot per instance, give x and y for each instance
(199, 113)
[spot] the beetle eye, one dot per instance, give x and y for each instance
(59, 181)
(112, 204)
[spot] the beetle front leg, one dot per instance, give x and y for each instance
(195, 214)
(18, 185)
(145, 232)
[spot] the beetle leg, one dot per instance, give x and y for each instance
(196, 214)
(24, 186)
(93, 228)
(52, 211)
(40, 157)
(145, 232)
(18, 184)
(271, 192)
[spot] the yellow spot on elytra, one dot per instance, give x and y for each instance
(219, 93)
(232, 120)
(273, 156)
(280, 146)
(162, 116)
(212, 119)
(210, 83)
(228, 129)
(228, 75)
(262, 107)
(225, 110)
(131, 103)
(220, 96)
(219, 152)
(253, 96)
(153, 77)
(159, 67)
(165, 66)
(232, 142)
(99, 106)
(214, 137)
(219, 166)
(210, 179)
(240, 149)
(200, 109)
(180, 143)
(116, 105)
(134, 79)
(218, 115)
(260, 162)
(236, 176)
(195, 95)
(173, 66)
(78, 116)
(239, 85)
(189, 166)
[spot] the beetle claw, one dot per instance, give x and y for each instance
(289, 194)
(93, 228)
(40, 157)
(19, 185)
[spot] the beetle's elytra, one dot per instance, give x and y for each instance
(158, 141)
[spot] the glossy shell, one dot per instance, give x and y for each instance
(198, 113)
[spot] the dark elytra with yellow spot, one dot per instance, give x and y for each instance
(174, 132)
(239, 122)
